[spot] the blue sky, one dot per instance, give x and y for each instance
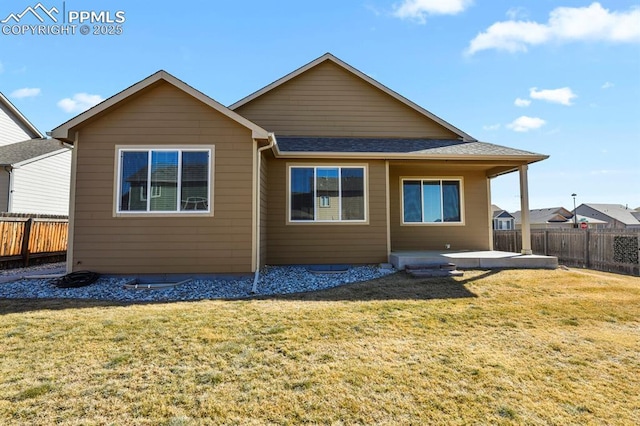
(556, 77)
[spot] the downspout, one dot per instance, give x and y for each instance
(9, 171)
(259, 151)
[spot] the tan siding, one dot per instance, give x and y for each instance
(163, 115)
(325, 243)
(330, 101)
(473, 235)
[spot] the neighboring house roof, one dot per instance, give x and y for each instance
(21, 119)
(547, 215)
(406, 148)
(618, 212)
(20, 152)
(499, 213)
(66, 130)
(169, 174)
(363, 76)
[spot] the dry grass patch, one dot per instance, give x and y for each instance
(508, 347)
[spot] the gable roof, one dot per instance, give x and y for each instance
(499, 212)
(20, 152)
(65, 131)
(361, 75)
(20, 118)
(616, 211)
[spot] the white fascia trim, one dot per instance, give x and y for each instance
(15, 111)
(329, 57)
(63, 131)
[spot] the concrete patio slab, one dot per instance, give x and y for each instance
(474, 259)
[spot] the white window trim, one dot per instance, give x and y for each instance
(325, 201)
(363, 166)
(177, 213)
(432, 178)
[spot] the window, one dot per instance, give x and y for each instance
(327, 194)
(504, 224)
(156, 191)
(431, 200)
(177, 179)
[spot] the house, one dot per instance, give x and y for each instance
(502, 219)
(14, 127)
(554, 218)
(616, 216)
(34, 171)
(323, 166)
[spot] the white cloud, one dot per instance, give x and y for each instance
(607, 85)
(566, 24)
(79, 102)
(491, 127)
(519, 102)
(524, 124)
(27, 92)
(562, 96)
(419, 9)
(517, 12)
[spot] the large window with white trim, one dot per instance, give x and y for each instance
(431, 201)
(177, 180)
(327, 194)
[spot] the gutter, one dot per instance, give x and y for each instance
(532, 158)
(272, 142)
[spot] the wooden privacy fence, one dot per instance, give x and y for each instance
(611, 250)
(29, 237)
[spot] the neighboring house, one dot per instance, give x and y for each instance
(616, 216)
(35, 177)
(34, 171)
(14, 127)
(502, 219)
(554, 218)
(323, 166)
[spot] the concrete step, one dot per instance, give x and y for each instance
(431, 273)
(427, 266)
(427, 270)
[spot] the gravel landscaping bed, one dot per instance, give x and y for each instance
(273, 280)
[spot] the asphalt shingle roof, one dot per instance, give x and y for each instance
(616, 211)
(551, 214)
(396, 146)
(25, 150)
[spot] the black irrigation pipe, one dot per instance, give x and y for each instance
(76, 279)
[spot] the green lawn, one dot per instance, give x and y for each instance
(508, 347)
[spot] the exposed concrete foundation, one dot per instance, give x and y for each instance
(474, 259)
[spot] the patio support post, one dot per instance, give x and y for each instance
(524, 209)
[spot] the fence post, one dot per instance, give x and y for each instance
(587, 237)
(546, 242)
(26, 236)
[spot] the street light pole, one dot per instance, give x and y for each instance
(575, 214)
